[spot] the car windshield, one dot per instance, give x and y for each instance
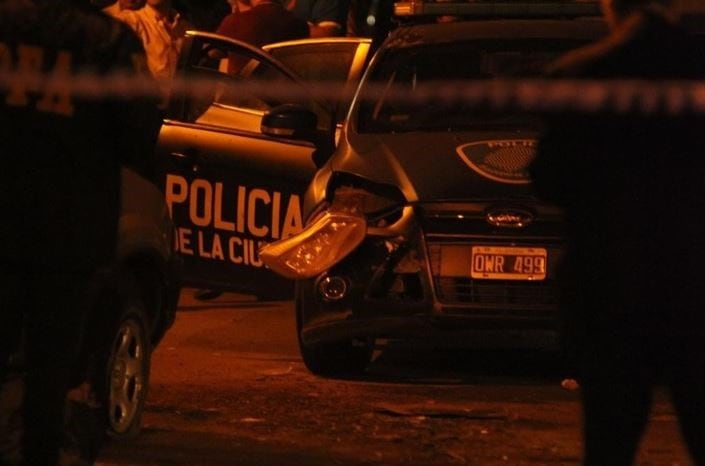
(395, 98)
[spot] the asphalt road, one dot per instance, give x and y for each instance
(228, 388)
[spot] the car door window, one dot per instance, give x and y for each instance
(331, 67)
(235, 86)
(328, 62)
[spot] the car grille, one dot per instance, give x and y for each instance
(453, 290)
(454, 286)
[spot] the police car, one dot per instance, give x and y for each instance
(396, 214)
(423, 220)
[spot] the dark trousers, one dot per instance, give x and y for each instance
(622, 353)
(616, 409)
(44, 314)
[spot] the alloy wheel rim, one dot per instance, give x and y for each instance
(127, 376)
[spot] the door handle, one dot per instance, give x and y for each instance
(187, 159)
(188, 154)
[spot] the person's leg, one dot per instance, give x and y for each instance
(12, 307)
(687, 384)
(616, 381)
(54, 334)
(615, 417)
(11, 383)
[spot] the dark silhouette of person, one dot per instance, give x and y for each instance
(62, 152)
(632, 188)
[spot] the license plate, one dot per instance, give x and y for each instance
(508, 263)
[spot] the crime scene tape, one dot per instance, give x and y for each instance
(639, 97)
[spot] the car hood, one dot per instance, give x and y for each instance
(442, 166)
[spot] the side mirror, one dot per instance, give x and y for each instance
(294, 121)
(290, 121)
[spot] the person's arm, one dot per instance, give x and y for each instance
(112, 10)
(553, 170)
(137, 117)
(565, 157)
(130, 18)
(549, 170)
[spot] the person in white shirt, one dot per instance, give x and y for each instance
(161, 29)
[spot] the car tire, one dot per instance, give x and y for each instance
(123, 377)
(347, 357)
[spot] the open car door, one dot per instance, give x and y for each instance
(333, 64)
(231, 187)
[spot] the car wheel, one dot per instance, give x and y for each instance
(123, 381)
(347, 357)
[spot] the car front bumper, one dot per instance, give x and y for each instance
(392, 297)
(418, 283)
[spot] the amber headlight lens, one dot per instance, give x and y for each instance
(327, 240)
(317, 248)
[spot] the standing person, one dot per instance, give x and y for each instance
(632, 189)
(260, 22)
(325, 18)
(120, 5)
(161, 29)
(61, 191)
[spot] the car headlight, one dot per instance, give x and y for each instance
(324, 242)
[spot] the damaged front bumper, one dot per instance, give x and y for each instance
(390, 284)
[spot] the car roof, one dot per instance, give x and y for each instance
(458, 31)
